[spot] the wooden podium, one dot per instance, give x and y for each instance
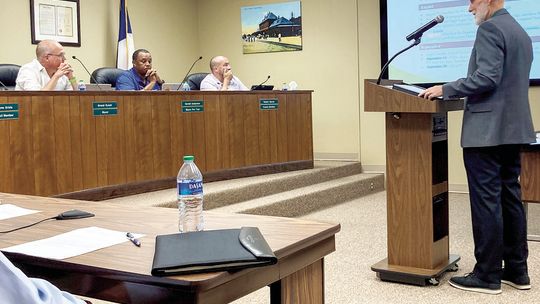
(417, 185)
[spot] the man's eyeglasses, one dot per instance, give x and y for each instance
(63, 56)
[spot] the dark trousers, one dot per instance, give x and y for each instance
(498, 216)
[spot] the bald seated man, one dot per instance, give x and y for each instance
(48, 72)
(221, 77)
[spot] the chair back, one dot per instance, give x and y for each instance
(106, 75)
(8, 74)
(194, 80)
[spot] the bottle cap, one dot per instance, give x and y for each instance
(189, 157)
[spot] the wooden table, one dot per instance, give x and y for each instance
(530, 179)
(121, 273)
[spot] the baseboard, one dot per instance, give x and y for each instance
(336, 156)
(373, 168)
(458, 188)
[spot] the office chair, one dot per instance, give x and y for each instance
(106, 75)
(194, 80)
(8, 74)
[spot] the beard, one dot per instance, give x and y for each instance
(481, 13)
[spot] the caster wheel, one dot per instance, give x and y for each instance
(454, 268)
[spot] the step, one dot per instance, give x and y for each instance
(310, 198)
(224, 193)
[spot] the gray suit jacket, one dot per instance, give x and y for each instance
(497, 108)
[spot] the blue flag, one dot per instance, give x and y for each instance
(126, 46)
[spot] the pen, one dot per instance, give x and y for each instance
(133, 239)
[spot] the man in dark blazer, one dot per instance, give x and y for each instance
(496, 122)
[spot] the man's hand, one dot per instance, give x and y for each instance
(63, 69)
(432, 93)
(227, 75)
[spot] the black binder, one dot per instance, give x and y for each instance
(211, 251)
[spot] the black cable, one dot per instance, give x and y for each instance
(30, 225)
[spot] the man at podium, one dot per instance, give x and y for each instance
(496, 122)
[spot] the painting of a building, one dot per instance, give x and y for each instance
(272, 32)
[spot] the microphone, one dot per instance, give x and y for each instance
(91, 77)
(424, 28)
(416, 35)
(4, 87)
(184, 80)
(260, 84)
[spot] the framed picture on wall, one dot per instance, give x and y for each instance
(275, 27)
(57, 20)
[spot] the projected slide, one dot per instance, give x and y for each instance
(444, 52)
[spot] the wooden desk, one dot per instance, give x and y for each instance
(530, 180)
(121, 273)
(57, 144)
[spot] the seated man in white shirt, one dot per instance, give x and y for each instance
(221, 77)
(16, 287)
(48, 72)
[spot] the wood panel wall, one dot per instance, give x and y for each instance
(57, 145)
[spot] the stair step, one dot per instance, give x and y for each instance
(224, 193)
(310, 198)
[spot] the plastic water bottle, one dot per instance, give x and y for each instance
(190, 196)
(284, 87)
(82, 86)
(185, 86)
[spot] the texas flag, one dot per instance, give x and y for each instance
(126, 46)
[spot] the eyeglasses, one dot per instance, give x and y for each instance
(63, 56)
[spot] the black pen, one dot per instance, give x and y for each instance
(133, 239)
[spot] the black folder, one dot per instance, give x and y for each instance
(211, 251)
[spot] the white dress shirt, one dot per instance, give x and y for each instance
(211, 83)
(33, 77)
(17, 288)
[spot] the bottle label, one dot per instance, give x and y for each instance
(190, 187)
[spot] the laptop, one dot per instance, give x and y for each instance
(261, 87)
(98, 87)
(171, 86)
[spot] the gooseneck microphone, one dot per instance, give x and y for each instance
(91, 77)
(424, 28)
(260, 84)
(184, 79)
(416, 35)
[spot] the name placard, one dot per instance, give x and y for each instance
(9, 111)
(191, 106)
(105, 108)
(268, 103)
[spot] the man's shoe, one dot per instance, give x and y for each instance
(470, 282)
(522, 282)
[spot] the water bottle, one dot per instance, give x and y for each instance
(190, 196)
(82, 86)
(284, 87)
(185, 86)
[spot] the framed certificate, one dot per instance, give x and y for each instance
(57, 20)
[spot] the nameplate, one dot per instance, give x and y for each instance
(268, 104)
(192, 106)
(105, 108)
(9, 111)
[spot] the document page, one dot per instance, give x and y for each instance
(8, 211)
(73, 243)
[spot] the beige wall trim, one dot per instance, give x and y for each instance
(458, 188)
(336, 156)
(374, 168)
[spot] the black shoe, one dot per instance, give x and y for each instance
(470, 282)
(522, 282)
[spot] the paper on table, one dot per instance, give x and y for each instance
(73, 243)
(8, 211)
